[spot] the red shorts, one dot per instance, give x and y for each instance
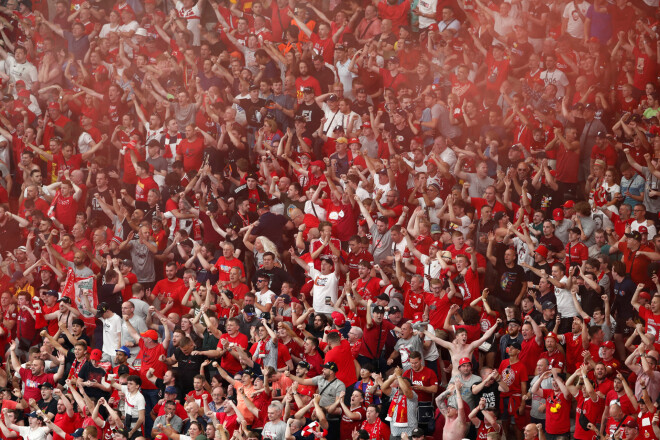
(510, 406)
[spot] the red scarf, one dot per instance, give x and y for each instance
(397, 415)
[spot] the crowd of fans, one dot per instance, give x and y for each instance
(302, 220)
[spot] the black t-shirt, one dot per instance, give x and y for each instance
(590, 300)
(531, 276)
(510, 282)
(187, 369)
(277, 277)
(96, 211)
(106, 295)
(91, 373)
(254, 120)
(271, 226)
(492, 395)
(50, 407)
(402, 136)
(313, 115)
(326, 78)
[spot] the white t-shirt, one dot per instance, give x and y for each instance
(324, 286)
(134, 403)
(27, 433)
(346, 76)
(111, 334)
(558, 78)
(429, 7)
(108, 28)
(263, 299)
(85, 142)
(575, 25)
(649, 225)
(192, 15)
(565, 306)
(25, 71)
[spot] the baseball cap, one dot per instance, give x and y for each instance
(124, 349)
(333, 97)
(78, 432)
(151, 334)
(249, 310)
(417, 432)
(330, 366)
(253, 87)
(631, 424)
(304, 364)
(123, 369)
(464, 361)
(645, 295)
(308, 90)
(46, 385)
(102, 308)
(643, 230)
(515, 344)
(547, 305)
(353, 141)
(379, 309)
(96, 355)
(635, 235)
(557, 215)
(568, 204)
(608, 344)
(341, 140)
(338, 319)
(393, 60)
(499, 215)
(513, 321)
(394, 309)
(54, 105)
(318, 163)
(171, 390)
(52, 293)
(601, 134)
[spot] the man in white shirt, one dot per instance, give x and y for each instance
(19, 68)
(572, 22)
(552, 75)
(326, 282)
(111, 332)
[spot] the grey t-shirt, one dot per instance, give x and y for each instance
(588, 227)
(83, 273)
(397, 428)
(141, 307)
(561, 230)
(478, 186)
(381, 244)
(176, 422)
(274, 431)
(143, 262)
(536, 400)
(407, 346)
(140, 326)
(329, 389)
(466, 391)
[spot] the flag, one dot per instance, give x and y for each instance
(82, 292)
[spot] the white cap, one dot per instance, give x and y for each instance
(141, 31)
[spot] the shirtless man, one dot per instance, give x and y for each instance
(459, 348)
(456, 423)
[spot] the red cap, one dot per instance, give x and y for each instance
(318, 163)
(366, 124)
(338, 318)
(436, 244)
(151, 334)
(542, 251)
(354, 141)
(159, 436)
(46, 267)
(568, 204)
(608, 344)
(96, 355)
(643, 230)
(20, 83)
(54, 105)
(553, 336)
(645, 295)
(558, 215)
(433, 27)
(464, 361)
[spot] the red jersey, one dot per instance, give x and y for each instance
(557, 413)
(378, 430)
(228, 362)
(652, 322)
(224, 266)
(426, 377)
(592, 410)
(530, 352)
(413, 302)
(171, 289)
(143, 187)
(513, 375)
(575, 253)
(192, 153)
(555, 359)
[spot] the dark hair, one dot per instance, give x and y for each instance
(135, 379)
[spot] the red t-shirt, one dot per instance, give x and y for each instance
(149, 358)
(593, 410)
(229, 362)
(513, 375)
(555, 359)
(574, 349)
(224, 266)
(343, 357)
(438, 309)
(426, 378)
(652, 322)
(171, 289)
(413, 302)
(143, 187)
(192, 153)
(31, 383)
(557, 413)
(530, 352)
(624, 402)
(65, 210)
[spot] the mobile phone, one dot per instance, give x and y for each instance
(328, 300)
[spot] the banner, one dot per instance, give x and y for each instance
(82, 292)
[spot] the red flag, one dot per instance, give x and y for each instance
(82, 292)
